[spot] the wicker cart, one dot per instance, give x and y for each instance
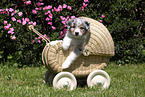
(95, 57)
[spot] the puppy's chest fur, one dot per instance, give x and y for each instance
(79, 43)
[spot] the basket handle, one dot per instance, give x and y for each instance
(31, 27)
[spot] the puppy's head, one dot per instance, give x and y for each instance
(78, 27)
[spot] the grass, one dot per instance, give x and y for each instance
(126, 81)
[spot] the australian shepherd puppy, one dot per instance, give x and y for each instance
(77, 36)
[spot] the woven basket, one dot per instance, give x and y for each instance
(95, 56)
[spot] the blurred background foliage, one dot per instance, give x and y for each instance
(124, 19)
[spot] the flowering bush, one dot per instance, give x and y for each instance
(49, 17)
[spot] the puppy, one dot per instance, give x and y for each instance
(77, 36)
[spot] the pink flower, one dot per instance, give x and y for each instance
(20, 13)
(6, 27)
(6, 12)
(36, 38)
(85, 5)
(34, 11)
(5, 22)
(69, 7)
(1, 10)
(54, 8)
(85, 0)
(47, 12)
(45, 8)
(11, 32)
(53, 27)
(49, 7)
(62, 18)
(24, 23)
(50, 15)
(30, 22)
(13, 19)
(27, 19)
(7, 9)
(73, 17)
(27, 2)
(64, 5)
(40, 0)
(63, 22)
(15, 11)
(50, 23)
(47, 19)
(60, 7)
(48, 38)
(9, 25)
(19, 21)
(38, 8)
(44, 35)
(12, 29)
(57, 10)
(39, 4)
(11, 10)
(13, 37)
(34, 24)
(68, 17)
(39, 37)
(39, 41)
(12, 14)
(101, 21)
(23, 19)
(102, 16)
(82, 8)
(61, 33)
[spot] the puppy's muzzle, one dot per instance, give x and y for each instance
(76, 33)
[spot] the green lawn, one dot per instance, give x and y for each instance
(126, 81)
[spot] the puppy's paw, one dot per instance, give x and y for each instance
(64, 46)
(66, 65)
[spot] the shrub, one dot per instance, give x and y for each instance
(122, 18)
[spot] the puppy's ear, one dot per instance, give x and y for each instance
(68, 23)
(87, 24)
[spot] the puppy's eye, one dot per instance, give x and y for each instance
(72, 26)
(82, 28)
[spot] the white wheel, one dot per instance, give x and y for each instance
(65, 80)
(98, 78)
(48, 77)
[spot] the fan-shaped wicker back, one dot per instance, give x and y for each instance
(101, 42)
(96, 53)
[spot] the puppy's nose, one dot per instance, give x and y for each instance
(76, 33)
